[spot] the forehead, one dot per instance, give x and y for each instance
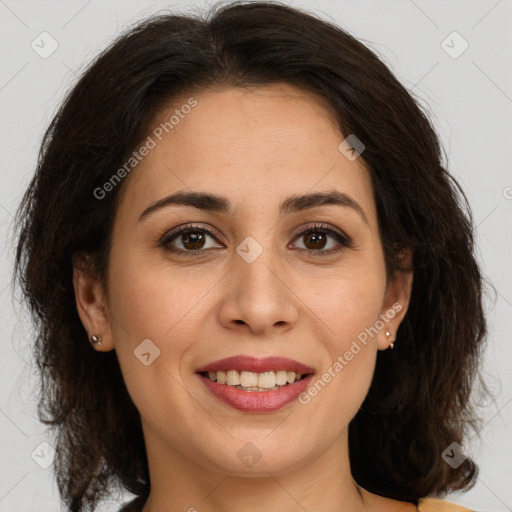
(254, 145)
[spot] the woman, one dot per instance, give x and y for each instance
(232, 223)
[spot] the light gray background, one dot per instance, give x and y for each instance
(471, 100)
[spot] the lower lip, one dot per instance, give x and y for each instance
(256, 401)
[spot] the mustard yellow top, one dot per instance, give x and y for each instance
(434, 505)
(424, 505)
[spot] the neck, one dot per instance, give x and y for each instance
(182, 481)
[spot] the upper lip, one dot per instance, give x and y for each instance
(257, 365)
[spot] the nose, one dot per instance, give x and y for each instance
(259, 297)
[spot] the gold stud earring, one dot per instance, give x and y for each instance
(391, 345)
(95, 339)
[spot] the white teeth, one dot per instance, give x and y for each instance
(266, 380)
(253, 380)
(248, 379)
(282, 378)
(232, 378)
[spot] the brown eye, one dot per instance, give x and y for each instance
(316, 240)
(188, 240)
(193, 240)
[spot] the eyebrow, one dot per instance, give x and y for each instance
(216, 203)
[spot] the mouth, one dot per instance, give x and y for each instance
(252, 381)
(256, 385)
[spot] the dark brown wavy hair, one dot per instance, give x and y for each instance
(419, 399)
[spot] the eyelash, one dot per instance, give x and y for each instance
(316, 228)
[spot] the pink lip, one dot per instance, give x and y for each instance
(253, 364)
(256, 401)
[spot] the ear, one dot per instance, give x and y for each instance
(396, 300)
(91, 304)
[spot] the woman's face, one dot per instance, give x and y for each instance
(245, 280)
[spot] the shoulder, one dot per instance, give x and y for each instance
(435, 505)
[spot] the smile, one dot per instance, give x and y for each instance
(256, 385)
(252, 381)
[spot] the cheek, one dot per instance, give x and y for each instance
(149, 299)
(337, 392)
(152, 303)
(349, 313)
(349, 303)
